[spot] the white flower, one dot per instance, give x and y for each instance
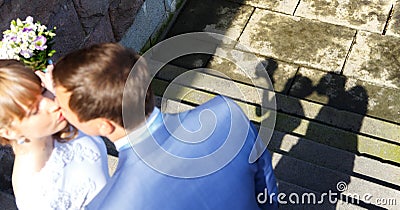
(40, 28)
(24, 46)
(13, 29)
(32, 35)
(32, 46)
(19, 22)
(26, 53)
(15, 50)
(3, 53)
(29, 19)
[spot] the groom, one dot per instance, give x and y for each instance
(89, 87)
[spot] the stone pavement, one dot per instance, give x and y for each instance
(335, 69)
(7, 201)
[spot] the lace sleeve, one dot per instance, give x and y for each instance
(74, 174)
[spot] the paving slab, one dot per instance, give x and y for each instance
(280, 73)
(348, 94)
(234, 67)
(394, 23)
(375, 58)
(298, 40)
(283, 6)
(383, 102)
(365, 15)
(218, 16)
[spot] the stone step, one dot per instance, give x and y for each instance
(321, 155)
(358, 191)
(335, 159)
(305, 203)
(347, 120)
(190, 89)
(307, 166)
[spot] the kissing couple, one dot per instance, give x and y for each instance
(53, 121)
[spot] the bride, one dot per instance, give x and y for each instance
(55, 166)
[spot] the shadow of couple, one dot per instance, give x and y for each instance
(318, 154)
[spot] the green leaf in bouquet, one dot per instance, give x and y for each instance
(51, 53)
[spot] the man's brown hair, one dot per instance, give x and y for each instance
(96, 77)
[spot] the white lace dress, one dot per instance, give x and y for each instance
(75, 172)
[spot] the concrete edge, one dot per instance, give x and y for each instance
(151, 22)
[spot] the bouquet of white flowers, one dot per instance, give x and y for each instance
(29, 42)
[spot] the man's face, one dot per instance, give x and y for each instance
(62, 98)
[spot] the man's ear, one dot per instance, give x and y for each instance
(105, 127)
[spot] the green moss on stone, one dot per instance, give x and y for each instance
(357, 12)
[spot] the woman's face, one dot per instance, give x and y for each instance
(43, 118)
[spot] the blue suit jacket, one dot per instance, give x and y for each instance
(154, 185)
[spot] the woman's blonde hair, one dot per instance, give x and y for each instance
(19, 88)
